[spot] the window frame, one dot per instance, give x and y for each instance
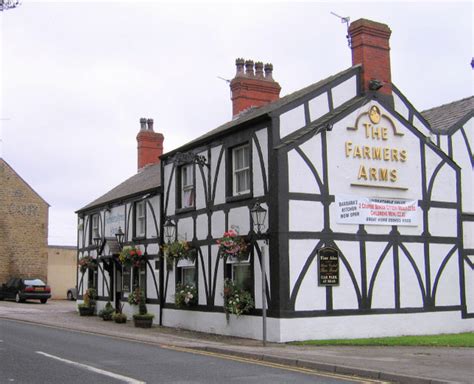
(187, 265)
(92, 278)
(189, 187)
(137, 218)
(94, 227)
(229, 272)
(247, 169)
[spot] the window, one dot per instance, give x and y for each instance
(133, 277)
(186, 186)
(241, 170)
(140, 219)
(241, 273)
(92, 278)
(94, 228)
(187, 272)
(187, 275)
(242, 276)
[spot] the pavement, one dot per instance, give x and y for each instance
(411, 365)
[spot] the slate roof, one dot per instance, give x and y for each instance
(260, 112)
(147, 180)
(442, 118)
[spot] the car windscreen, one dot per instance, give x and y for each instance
(34, 282)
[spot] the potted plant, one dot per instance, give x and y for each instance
(107, 312)
(119, 317)
(233, 245)
(177, 250)
(132, 256)
(185, 295)
(236, 300)
(143, 319)
(87, 308)
(87, 262)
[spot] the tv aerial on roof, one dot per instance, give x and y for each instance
(345, 20)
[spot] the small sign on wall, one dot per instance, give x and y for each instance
(328, 266)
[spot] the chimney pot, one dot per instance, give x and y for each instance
(268, 71)
(239, 63)
(259, 70)
(143, 124)
(249, 68)
(150, 124)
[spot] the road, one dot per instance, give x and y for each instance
(36, 354)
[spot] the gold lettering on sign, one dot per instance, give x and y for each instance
(378, 131)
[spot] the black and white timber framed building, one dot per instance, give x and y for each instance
(346, 165)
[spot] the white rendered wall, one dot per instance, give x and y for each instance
(351, 327)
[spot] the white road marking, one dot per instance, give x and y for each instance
(122, 378)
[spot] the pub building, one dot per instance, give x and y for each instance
(338, 211)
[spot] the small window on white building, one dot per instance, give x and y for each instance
(140, 219)
(187, 186)
(241, 170)
(94, 228)
(187, 275)
(242, 276)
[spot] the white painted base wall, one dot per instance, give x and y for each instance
(322, 328)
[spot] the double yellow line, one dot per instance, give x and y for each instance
(274, 365)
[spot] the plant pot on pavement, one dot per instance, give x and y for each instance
(143, 321)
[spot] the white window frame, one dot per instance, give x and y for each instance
(191, 270)
(95, 227)
(242, 264)
(140, 219)
(187, 186)
(237, 171)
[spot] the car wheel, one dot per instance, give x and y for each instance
(18, 298)
(69, 296)
(43, 301)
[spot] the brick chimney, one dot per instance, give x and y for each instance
(370, 47)
(254, 87)
(150, 144)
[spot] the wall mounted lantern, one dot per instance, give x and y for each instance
(120, 236)
(169, 229)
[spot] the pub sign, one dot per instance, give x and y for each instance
(328, 266)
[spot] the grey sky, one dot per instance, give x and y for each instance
(76, 77)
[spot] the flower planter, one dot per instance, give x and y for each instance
(86, 311)
(143, 321)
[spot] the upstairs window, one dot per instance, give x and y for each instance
(94, 228)
(241, 170)
(140, 219)
(186, 186)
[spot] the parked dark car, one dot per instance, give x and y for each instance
(25, 289)
(72, 294)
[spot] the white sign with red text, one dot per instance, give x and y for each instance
(375, 211)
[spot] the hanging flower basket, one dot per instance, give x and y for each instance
(177, 250)
(233, 245)
(236, 300)
(186, 295)
(87, 262)
(132, 257)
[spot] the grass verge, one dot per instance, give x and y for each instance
(444, 340)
